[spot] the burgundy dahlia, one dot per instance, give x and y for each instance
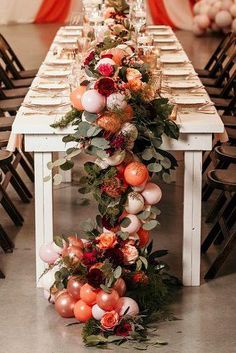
(89, 58)
(105, 86)
(123, 329)
(89, 258)
(95, 278)
(110, 56)
(115, 256)
(118, 142)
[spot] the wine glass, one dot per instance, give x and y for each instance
(75, 19)
(138, 17)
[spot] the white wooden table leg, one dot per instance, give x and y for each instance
(192, 218)
(43, 206)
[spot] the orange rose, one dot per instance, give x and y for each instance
(135, 85)
(130, 254)
(133, 74)
(110, 320)
(106, 240)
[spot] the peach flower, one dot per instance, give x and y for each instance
(106, 240)
(133, 74)
(110, 320)
(130, 254)
(135, 85)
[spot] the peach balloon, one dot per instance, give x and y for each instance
(82, 311)
(234, 25)
(202, 21)
(233, 10)
(223, 19)
(88, 294)
(76, 96)
(152, 193)
(136, 173)
(64, 305)
(120, 286)
(107, 301)
(73, 286)
(75, 241)
(226, 4)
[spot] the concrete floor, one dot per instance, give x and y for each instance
(28, 324)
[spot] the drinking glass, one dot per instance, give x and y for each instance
(75, 19)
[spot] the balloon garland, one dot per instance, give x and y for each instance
(111, 279)
(215, 15)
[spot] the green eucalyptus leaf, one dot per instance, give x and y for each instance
(150, 225)
(154, 167)
(166, 163)
(144, 261)
(57, 179)
(93, 131)
(67, 165)
(118, 272)
(125, 222)
(47, 178)
(100, 142)
(105, 288)
(167, 178)
(89, 117)
(147, 154)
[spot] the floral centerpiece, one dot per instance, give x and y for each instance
(110, 278)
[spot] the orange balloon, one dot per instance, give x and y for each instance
(75, 97)
(143, 237)
(82, 311)
(75, 241)
(73, 286)
(64, 305)
(120, 286)
(136, 173)
(88, 294)
(74, 253)
(108, 301)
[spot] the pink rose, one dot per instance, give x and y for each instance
(110, 320)
(130, 254)
(106, 69)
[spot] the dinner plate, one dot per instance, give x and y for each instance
(58, 61)
(164, 40)
(190, 100)
(70, 33)
(160, 32)
(56, 73)
(51, 86)
(173, 59)
(168, 47)
(156, 27)
(42, 101)
(177, 72)
(66, 40)
(183, 84)
(72, 28)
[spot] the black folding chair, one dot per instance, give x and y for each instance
(13, 64)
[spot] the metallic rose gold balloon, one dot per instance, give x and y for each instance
(73, 286)
(107, 301)
(74, 253)
(64, 305)
(120, 287)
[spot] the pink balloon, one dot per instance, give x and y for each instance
(233, 10)
(226, 4)
(97, 312)
(202, 21)
(134, 226)
(93, 102)
(223, 19)
(197, 31)
(152, 194)
(234, 25)
(125, 303)
(47, 253)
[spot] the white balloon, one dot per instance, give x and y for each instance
(223, 19)
(97, 312)
(116, 101)
(134, 226)
(135, 203)
(128, 305)
(140, 187)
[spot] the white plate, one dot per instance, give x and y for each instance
(58, 61)
(70, 33)
(42, 101)
(72, 28)
(164, 40)
(168, 47)
(66, 40)
(156, 27)
(50, 73)
(52, 86)
(173, 59)
(183, 84)
(160, 33)
(177, 72)
(189, 100)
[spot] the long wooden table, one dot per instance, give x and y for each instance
(196, 130)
